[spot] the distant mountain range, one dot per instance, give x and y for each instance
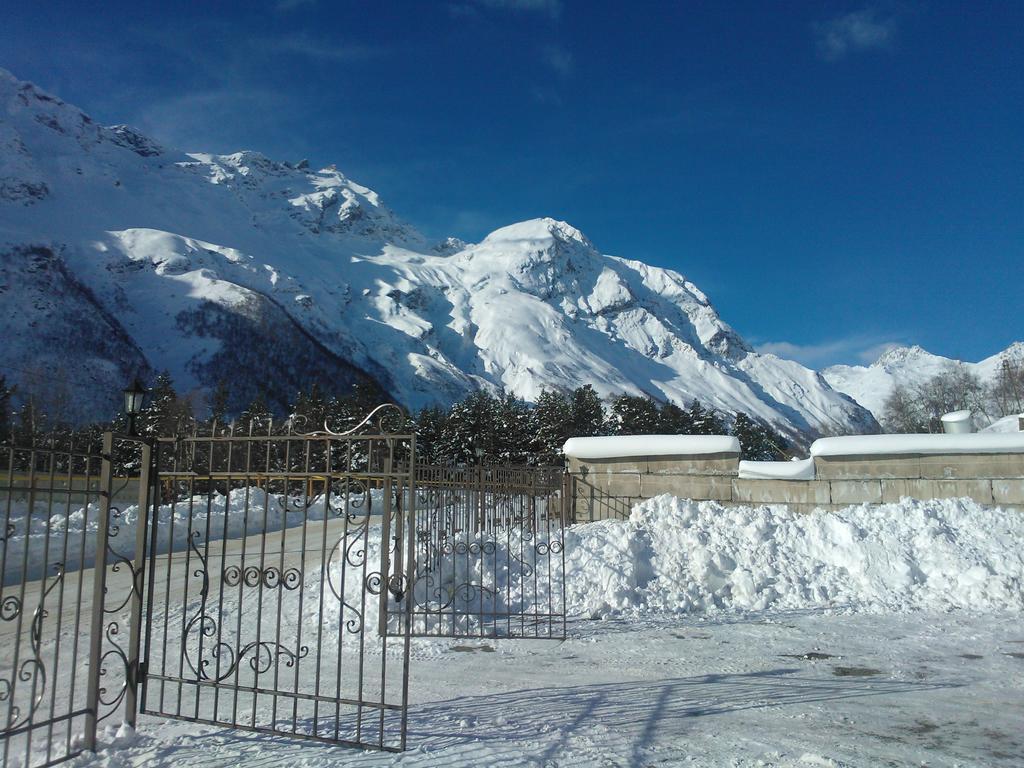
(906, 366)
(121, 256)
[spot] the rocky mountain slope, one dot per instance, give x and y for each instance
(118, 255)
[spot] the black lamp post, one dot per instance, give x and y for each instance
(134, 396)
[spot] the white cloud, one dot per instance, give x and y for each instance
(856, 350)
(552, 8)
(301, 44)
(290, 5)
(210, 120)
(854, 32)
(559, 59)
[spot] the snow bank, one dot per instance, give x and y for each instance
(777, 470)
(71, 538)
(694, 557)
(1006, 424)
(648, 445)
(865, 445)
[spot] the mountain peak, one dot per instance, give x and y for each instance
(207, 263)
(895, 355)
(538, 230)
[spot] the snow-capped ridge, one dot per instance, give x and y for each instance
(907, 366)
(897, 355)
(538, 231)
(211, 265)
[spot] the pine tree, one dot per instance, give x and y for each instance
(219, 403)
(635, 415)
(673, 420)
(758, 441)
(256, 417)
(552, 416)
(429, 425)
(30, 422)
(587, 417)
(167, 414)
(514, 428)
(704, 421)
(309, 411)
(471, 426)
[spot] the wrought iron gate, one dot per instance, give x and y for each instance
(71, 586)
(260, 581)
(274, 609)
(488, 553)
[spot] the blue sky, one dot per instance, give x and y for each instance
(836, 176)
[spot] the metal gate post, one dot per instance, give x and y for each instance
(480, 499)
(386, 537)
(410, 571)
(134, 672)
(568, 499)
(92, 701)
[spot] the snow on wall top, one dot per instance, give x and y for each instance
(866, 445)
(777, 470)
(649, 445)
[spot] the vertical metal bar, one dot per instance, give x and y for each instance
(92, 700)
(37, 630)
(302, 579)
(205, 560)
(6, 534)
(150, 581)
(220, 573)
(385, 552)
(241, 567)
(177, 450)
(280, 596)
(343, 565)
(89, 466)
(481, 539)
(138, 569)
(561, 563)
(323, 572)
(409, 574)
(188, 570)
(260, 566)
(386, 594)
(69, 705)
(364, 534)
(21, 592)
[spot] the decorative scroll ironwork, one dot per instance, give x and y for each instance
(44, 598)
(270, 577)
(286, 628)
(488, 550)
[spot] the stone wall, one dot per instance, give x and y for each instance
(608, 488)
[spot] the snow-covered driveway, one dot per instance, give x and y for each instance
(864, 637)
(917, 689)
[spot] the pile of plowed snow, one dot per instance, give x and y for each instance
(685, 556)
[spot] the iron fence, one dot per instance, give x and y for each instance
(261, 581)
(489, 554)
(70, 586)
(268, 607)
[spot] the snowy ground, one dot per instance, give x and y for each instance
(913, 689)
(700, 635)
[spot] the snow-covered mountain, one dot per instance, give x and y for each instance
(907, 366)
(118, 255)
